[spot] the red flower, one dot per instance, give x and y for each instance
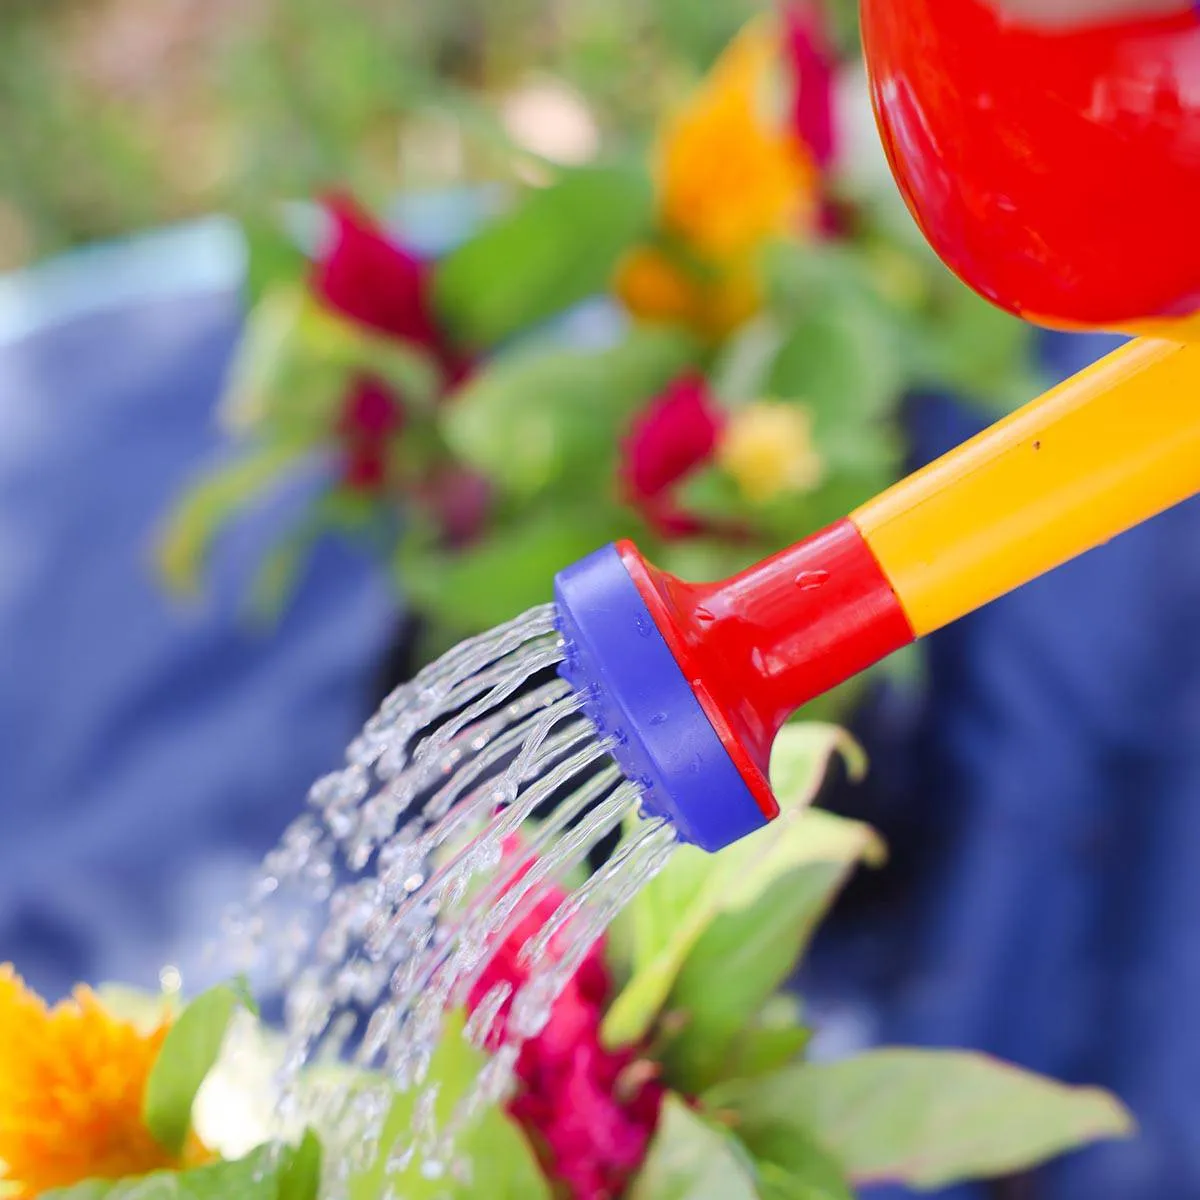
(675, 435)
(589, 1115)
(812, 62)
(460, 500)
(370, 412)
(370, 279)
(365, 468)
(370, 416)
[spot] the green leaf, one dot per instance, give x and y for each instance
(277, 575)
(814, 1176)
(690, 1159)
(744, 364)
(924, 1117)
(541, 417)
(502, 576)
(841, 367)
(774, 1037)
(697, 33)
(502, 1162)
(774, 1183)
(736, 966)
(188, 1053)
(802, 276)
(296, 361)
(671, 914)
(846, 352)
(203, 511)
(259, 1176)
(970, 346)
(300, 1175)
(239, 985)
(272, 254)
(801, 756)
(792, 1165)
(559, 246)
(258, 374)
(338, 511)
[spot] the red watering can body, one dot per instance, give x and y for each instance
(1056, 171)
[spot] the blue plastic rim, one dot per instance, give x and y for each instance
(637, 696)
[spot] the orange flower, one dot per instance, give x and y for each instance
(655, 287)
(71, 1084)
(732, 172)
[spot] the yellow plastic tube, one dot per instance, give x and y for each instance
(1108, 449)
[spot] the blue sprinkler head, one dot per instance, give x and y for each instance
(640, 700)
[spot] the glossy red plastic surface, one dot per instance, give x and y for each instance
(758, 646)
(1056, 172)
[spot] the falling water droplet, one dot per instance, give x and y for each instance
(382, 908)
(806, 581)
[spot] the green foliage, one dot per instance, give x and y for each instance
(677, 908)
(559, 246)
(842, 351)
(793, 1166)
(203, 512)
(188, 1053)
(707, 948)
(831, 362)
(272, 254)
(507, 573)
(924, 1117)
(300, 1171)
(772, 1036)
(269, 1173)
(540, 419)
(692, 1159)
(297, 360)
(976, 350)
(734, 969)
(492, 1143)
(703, 30)
(340, 513)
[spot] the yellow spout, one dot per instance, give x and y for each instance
(1108, 449)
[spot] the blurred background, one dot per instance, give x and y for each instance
(121, 115)
(328, 332)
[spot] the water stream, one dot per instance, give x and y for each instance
(476, 789)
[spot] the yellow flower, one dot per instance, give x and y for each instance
(730, 172)
(655, 287)
(768, 450)
(71, 1084)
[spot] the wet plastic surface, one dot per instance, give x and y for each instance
(1057, 172)
(639, 696)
